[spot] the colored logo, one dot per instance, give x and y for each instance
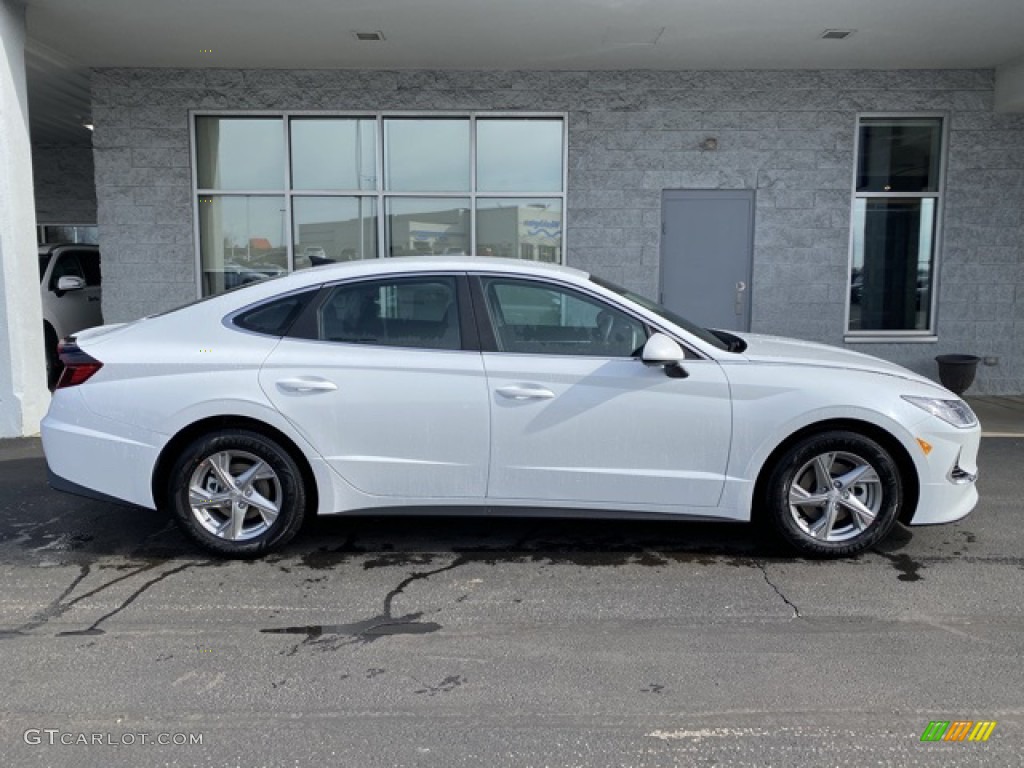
(958, 730)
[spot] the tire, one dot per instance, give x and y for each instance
(237, 518)
(53, 363)
(853, 510)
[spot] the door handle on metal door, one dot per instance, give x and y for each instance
(740, 288)
(525, 392)
(302, 384)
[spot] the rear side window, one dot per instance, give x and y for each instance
(275, 317)
(419, 312)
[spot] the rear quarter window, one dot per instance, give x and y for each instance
(275, 317)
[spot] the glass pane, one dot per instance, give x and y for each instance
(241, 240)
(334, 153)
(275, 317)
(519, 155)
(427, 155)
(64, 233)
(523, 228)
(899, 155)
(330, 229)
(537, 319)
(240, 153)
(410, 312)
(420, 226)
(891, 279)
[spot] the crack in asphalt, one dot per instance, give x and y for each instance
(59, 605)
(764, 572)
(94, 629)
(334, 636)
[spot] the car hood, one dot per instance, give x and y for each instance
(778, 349)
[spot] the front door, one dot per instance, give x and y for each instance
(707, 248)
(577, 417)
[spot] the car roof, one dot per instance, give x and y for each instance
(341, 270)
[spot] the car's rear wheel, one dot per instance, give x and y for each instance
(237, 493)
(834, 494)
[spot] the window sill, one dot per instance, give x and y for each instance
(893, 339)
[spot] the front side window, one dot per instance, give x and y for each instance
(895, 213)
(419, 312)
(280, 192)
(542, 319)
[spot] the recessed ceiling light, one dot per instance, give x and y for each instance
(837, 34)
(369, 36)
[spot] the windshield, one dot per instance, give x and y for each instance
(701, 333)
(44, 261)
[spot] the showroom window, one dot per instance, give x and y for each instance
(277, 192)
(897, 205)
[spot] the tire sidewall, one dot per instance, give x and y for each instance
(292, 508)
(805, 450)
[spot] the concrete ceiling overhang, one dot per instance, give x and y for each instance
(524, 34)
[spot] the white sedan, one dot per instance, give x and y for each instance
(494, 386)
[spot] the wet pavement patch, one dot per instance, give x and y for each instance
(365, 631)
(907, 566)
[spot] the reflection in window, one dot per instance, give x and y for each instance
(241, 240)
(358, 187)
(521, 155)
(519, 228)
(538, 319)
(899, 155)
(407, 312)
(334, 153)
(421, 226)
(429, 155)
(329, 229)
(240, 153)
(895, 209)
(892, 264)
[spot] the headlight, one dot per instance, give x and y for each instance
(955, 412)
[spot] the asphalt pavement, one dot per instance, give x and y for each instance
(451, 642)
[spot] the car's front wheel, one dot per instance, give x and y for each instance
(237, 493)
(834, 494)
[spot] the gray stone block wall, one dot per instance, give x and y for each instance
(65, 187)
(788, 135)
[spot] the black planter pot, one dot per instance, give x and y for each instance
(956, 372)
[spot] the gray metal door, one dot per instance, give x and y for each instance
(707, 251)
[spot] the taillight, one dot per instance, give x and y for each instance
(78, 366)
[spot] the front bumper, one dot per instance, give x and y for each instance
(947, 474)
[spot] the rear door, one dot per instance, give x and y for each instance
(386, 381)
(577, 417)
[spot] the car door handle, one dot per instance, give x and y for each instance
(304, 384)
(525, 392)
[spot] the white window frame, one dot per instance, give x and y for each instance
(379, 194)
(930, 335)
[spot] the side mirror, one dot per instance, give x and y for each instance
(662, 351)
(70, 283)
